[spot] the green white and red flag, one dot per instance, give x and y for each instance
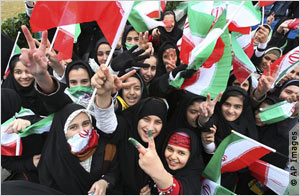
(234, 153)
(11, 144)
(209, 187)
(209, 79)
(80, 94)
(109, 15)
(242, 65)
(16, 50)
(245, 41)
(277, 112)
(143, 14)
(63, 43)
(273, 177)
(285, 64)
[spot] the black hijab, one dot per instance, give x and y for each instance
(29, 96)
(179, 118)
(245, 124)
(61, 170)
(76, 65)
(10, 104)
(99, 42)
(128, 28)
(161, 68)
(172, 36)
(133, 177)
(188, 176)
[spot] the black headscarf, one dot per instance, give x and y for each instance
(161, 68)
(188, 176)
(76, 65)
(172, 36)
(99, 42)
(61, 170)
(245, 124)
(232, 78)
(133, 177)
(10, 104)
(179, 118)
(128, 28)
(29, 96)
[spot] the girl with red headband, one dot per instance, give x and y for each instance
(177, 169)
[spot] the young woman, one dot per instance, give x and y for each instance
(20, 80)
(148, 73)
(233, 81)
(168, 33)
(100, 54)
(130, 38)
(177, 169)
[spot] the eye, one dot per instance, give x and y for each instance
(226, 104)
(129, 39)
(153, 68)
(165, 56)
(137, 88)
(267, 58)
(288, 92)
(147, 119)
(107, 53)
(193, 111)
(170, 149)
(238, 106)
(127, 88)
(136, 39)
(73, 82)
(17, 71)
(86, 123)
(100, 54)
(181, 153)
(158, 122)
(73, 127)
(84, 81)
(245, 85)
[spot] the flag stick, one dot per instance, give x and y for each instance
(113, 46)
(54, 37)
(263, 15)
(12, 52)
(248, 138)
(237, 10)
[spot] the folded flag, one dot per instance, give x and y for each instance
(242, 65)
(277, 112)
(143, 14)
(209, 187)
(285, 64)
(80, 94)
(234, 153)
(273, 177)
(11, 144)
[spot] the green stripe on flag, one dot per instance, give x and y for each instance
(212, 170)
(38, 127)
(77, 32)
(17, 50)
(78, 91)
(136, 19)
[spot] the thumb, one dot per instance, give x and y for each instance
(151, 143)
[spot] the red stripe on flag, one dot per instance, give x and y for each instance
(64, 45)
(163, 5)
(185, 50)
(245, 159)
(249, 49)
(154, 14)
(240, 71)
(265, 3)
(50, 14)
(259, 170)
(242, 30)
(216, 55)
(190, 81)
(9, 149)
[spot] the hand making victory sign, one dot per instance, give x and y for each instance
(151, 164)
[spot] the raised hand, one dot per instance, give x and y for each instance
(207, 108)
(151, 164)
(17, 125)
(119, 81)
(209, 137)
(103, 80)
(145, 190)
(263, 34)
(144, 44)
(155, 33)
(265, 83)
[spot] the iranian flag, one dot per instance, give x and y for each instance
(211, 79)
(143, 14)
(277, 112)
(16, 50)
(245, 41)
(273, 177)
(80, 94)
(242, 65)
(63, 43)
(108, 14)
(286, 64)
(11, 144)
(234, 153)
(209, 187)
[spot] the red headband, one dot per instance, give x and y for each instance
(181, 140)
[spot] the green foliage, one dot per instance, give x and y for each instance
(171, 5)
(11, 26)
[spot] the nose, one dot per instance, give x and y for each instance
(230, 110)
(173, 156)
(105, 57)
(131, 91)
(24, 74)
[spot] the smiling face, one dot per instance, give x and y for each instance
(132, 94)
(148, 73)
(176, 156)
(21, 75)
(288, 92)
(102, 53)
(232, 108)
(79, 77)
(192, 113)
(169, 21)
(151, 122)
(79, 123)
